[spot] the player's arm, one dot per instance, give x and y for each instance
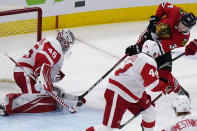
(175, 42)
(150, 76)
(165, 8)
(40, 59)
(151, 80)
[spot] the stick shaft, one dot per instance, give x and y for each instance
(92, 87)
(127, 122)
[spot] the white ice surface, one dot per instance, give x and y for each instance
(97, 49)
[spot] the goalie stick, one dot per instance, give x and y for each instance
(71, 109)
(45, 79)
(12, 59)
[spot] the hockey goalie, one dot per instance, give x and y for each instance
(36, 94)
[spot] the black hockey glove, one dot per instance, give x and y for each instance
(152, 23)
(133, 49)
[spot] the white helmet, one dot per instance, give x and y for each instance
(182, 104)
(66, 39)
(151, 48)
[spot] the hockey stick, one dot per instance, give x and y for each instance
(92, 87)
(12, 59)
(71, 109)
(45, 79)
(127, 122)
(77, 98)
(70, 97)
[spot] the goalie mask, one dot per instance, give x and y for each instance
(182, 104)
(66, 39)
(151, 48)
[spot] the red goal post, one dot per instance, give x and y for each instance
(20, 29)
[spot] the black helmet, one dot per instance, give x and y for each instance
(188, 19)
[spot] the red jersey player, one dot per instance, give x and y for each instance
(33, 98)
(170, 28)
(126, 89)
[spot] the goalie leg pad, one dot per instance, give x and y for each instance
(29, 103)
(26, 83)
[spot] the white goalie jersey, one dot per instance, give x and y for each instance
(47, 50)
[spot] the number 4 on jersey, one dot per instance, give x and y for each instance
(153, 73)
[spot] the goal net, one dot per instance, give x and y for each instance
(20, 29)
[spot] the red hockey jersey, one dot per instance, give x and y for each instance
(171, 14)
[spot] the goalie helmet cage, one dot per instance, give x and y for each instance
(20, 29)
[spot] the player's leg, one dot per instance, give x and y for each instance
(148, 118)
(114, 110)
(143, 105)
(99, 128)
(165, 73)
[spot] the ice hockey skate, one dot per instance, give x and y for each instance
(3, 110)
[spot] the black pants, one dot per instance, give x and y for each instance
(163, 59)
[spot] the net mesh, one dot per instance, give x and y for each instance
(18, 33)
